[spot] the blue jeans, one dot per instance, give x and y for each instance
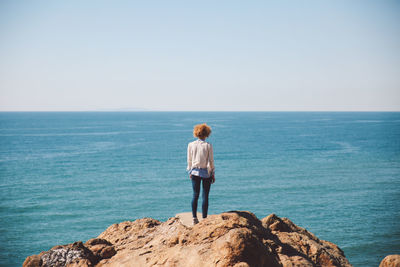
(196, 180)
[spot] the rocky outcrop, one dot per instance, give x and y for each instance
(390, 261)
(235, 238)
(76, 254)
(296, 246)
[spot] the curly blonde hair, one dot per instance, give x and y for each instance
(201, 131)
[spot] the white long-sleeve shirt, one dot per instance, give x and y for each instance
(200, 155)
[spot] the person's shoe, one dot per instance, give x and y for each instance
(195, 221)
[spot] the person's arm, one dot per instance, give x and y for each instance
(211, 162)
(189, 158)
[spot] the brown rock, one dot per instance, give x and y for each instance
(220, 240)
(72, 255)
(32, 261)
(298, 247)
(101, 248)
(235, 238)
(80, 263)
(67, 255)
(390, 261)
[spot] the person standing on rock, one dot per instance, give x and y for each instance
(201, 168)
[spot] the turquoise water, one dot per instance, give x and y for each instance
(68, 176)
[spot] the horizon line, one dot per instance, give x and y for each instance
(138, 111)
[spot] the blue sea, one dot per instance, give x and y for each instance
(67, 176)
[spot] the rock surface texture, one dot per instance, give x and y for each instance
(235, 238)
(390, 261)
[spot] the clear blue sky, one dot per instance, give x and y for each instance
(200, 55)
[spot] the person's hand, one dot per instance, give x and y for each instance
(213, 179)
(190, 176)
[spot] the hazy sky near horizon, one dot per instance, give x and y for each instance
(200, 55)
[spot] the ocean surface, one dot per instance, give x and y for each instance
(67, 176)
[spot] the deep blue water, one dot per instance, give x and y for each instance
(68, 176)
